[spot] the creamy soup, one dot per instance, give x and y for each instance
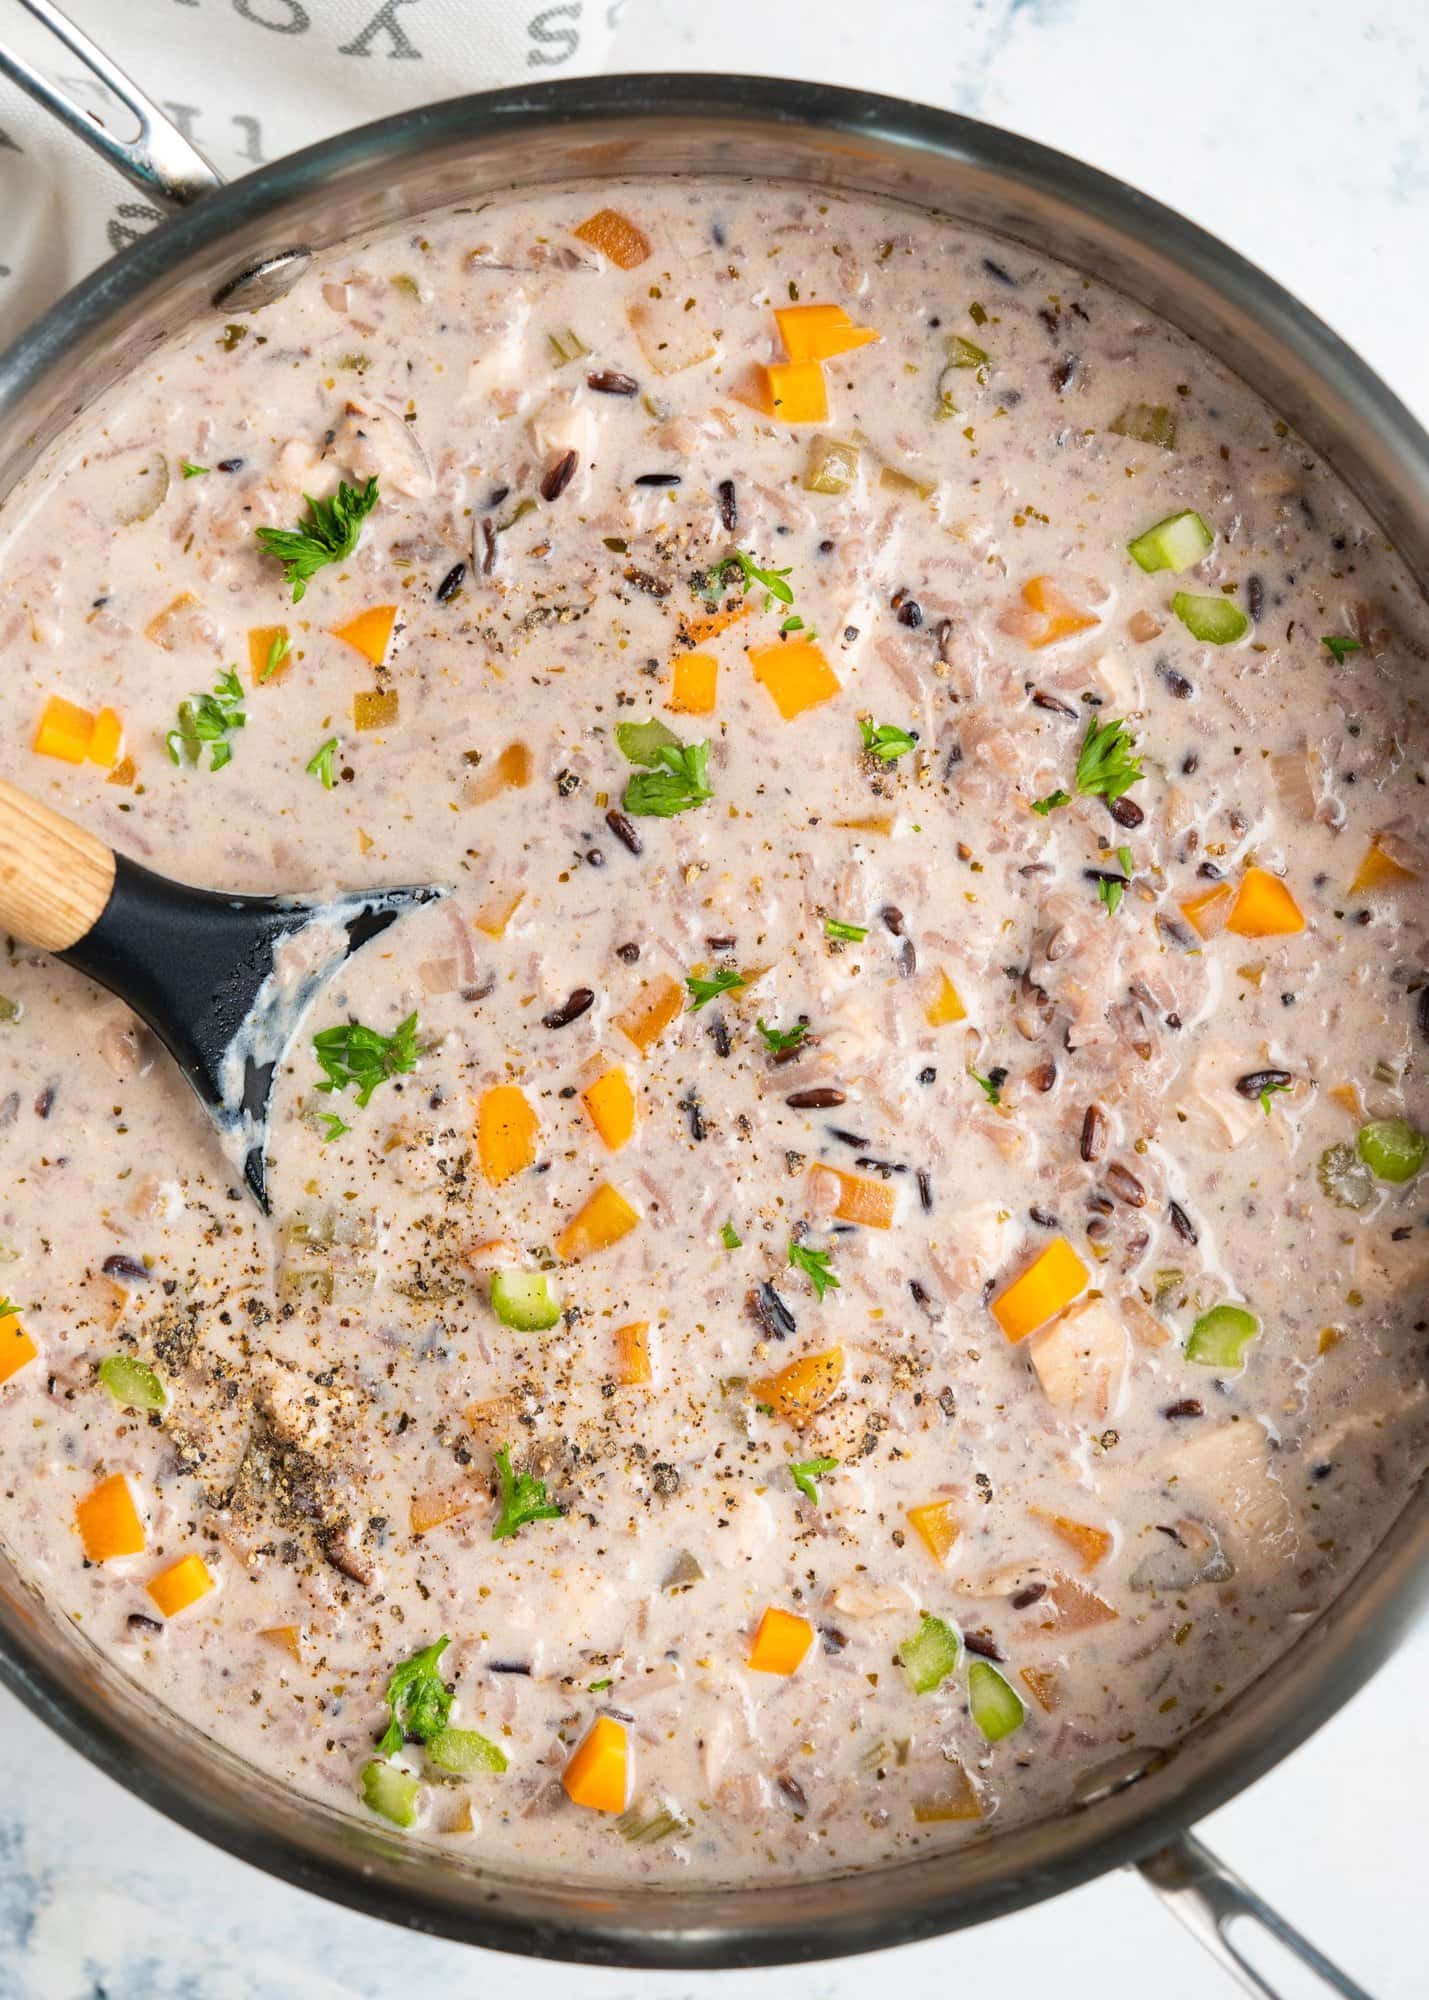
(869, 1263)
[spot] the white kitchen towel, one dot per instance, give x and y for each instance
(246, 80)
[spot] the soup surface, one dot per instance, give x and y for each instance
(869, 1262)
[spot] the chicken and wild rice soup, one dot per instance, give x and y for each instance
(870, 1263)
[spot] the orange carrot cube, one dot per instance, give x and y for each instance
(506, 1129)
(1063, 619)
(370, 632)
(1207, 913)
(936, 1527)
(1264, 907)
(598, 1774)
(793, 391)
(611, 1105)
(108, 1521)
(64, 731)
(818, 333)
(1382, 869)
(616, 237)
(1045, 1288)
(16, 1346)
(183, 1583)
(781, 1643)
(796, 674)
(693, 680)
(632, 1354)
(106, 742)
(798, 1393)
(1093, 1545)
(946, 1005)
(863, 1199)
(655, 1006)
(603, 1220)
(263, 641)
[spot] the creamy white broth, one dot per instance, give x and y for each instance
(1137, 1534)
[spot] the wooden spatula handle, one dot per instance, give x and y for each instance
(55, 878)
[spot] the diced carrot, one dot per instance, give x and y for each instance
(710, 624)
(511, 771)
(632, 1354)
(124, 772)
(432, 1509)
(1071, 1607)
(106, 742)
(108, 1521)
(956, 1798)
(1207, 913)
(288, 1638)
(798, 1393)
(1049, 1284)
(693, 680)
(793, 391)
(598, 1774)
(1347, 1096)
(611, 1104)
(63, 730)
(1045, 1685)
(818, 333)
(1064, 619)
(781, 1643)
(936, 1527)
(375, 708)
(654, 1007)
(183, 1583)
(601, 1221)
(497, 911)
(506, 1129)
(616, 237)
(16, 1346)
(1093, 1545)
(370, 632)
(863, 1199)
(1264, 907)
(872, 823)
(796, 674)
(169, 628)
(946, 1004)
(1382, 869)
(261, 641)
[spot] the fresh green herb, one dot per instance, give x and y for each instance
(846, 933)
(779, 1041)
(132, 1383)
(1269, 1092)
(355, 1055)
(683, 783)
(702, 991)
(815, 1266)
(805, 1471)
(1342, 648)
(192, 471)
(1110, 892)
(1106, 764)
(730, 1237)
(794, 624)
(523, 1499)
(749, 570)
(319, 765)
(278, 652)
(1051, 802)
(642, 742)
(594, 1687)
(329, 533)
(208, 720)
(887, 740)
(8, 1308)
(1123, 855)
(989, 1084)
(333, 1126)
(418, 1698)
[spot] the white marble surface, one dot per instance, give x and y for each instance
(1299, 131)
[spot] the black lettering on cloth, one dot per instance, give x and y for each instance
(119, 229)
(564, 41)
(294, 19)
(385, 21)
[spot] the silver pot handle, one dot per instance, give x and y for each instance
(1208, 1897)
(161, 160)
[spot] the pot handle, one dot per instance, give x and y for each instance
(1208, 1897)
(160, 160)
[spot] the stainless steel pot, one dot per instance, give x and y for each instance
(230, 249)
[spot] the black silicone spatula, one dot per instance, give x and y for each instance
(196, 965)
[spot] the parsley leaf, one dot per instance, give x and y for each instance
(749, 570)
(779, 1041)
(523, 1499)
(327, 534)
(805, 1471)
(1051, 802)
(1128, 866)
(815, 1266)
(794, 624)
(887, 741)
(1110, 892)
(991, 1084)
(319, 765)
(1342, 648)
(730, 1237)
(1269, 1092)
(354, 1055)
(8, 1308)
(1107, 764)
(702, 991)
(208, 720)
(594, 1687)
(333, 1126)
(419, 1700)
(278, 652)
(847, 933)
(683, 783)
(192, 471)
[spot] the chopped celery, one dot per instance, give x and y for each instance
(465, 1751)
(10, 1010)
(832, 467)
(1345, 1178)
(901, 482)
(964, 353)
(567, 346)
(1176, 543)
(930, 1655)
(649, 1829)
(391, 1792)
(1220, 1337)
(1392, 1149)
(1148, 423)
(1215, 620)
(996, 1707)
(642, 742)
(522, 1299)
(132, 1383)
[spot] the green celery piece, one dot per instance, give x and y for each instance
(997, 1708)
(1220, 1337)
(465, 1751)
(133, 1384)
(522, 1299)
(1177, 543)
(1345, 1178)
(931, 1654)
(391, 1792)
(1213, 620)
(642, 742)
(1392, 1149)
(1148, 423)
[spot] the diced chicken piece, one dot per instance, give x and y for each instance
(497, 363)
(1083, 1360)
(1213, 1103)
(976, 1243)
(1227, 1472)
(869, 1602)
(564, 423)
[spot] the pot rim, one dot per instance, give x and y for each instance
(311, 1845)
